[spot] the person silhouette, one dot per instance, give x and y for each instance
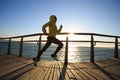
(52, 32)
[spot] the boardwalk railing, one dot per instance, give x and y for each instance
(92, 41)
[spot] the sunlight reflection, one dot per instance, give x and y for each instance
(73, 54)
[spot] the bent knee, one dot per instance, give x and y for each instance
(61, 45)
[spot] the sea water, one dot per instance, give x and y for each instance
(75, 53)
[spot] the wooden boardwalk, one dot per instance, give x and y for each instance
(18, 68)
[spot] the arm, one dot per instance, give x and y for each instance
(60, 28)
(44, 27)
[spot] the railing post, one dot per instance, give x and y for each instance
(39, 44)
(92, 50)
(9, 46)
(21, 47)
(66, 51)
(116, 48)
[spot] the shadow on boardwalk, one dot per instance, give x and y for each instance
(16, 68)
(17, 73)
(63, 72)
(106, 72)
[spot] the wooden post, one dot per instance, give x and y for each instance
(116, 48)
(92, 50)
(21, 47)
(9, 46)
(39, 44)
(66, 51)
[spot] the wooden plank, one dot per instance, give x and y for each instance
(18, 72)
(114, 71)
(96, 72)
(10, 65)
(70, 73)
(72, 69)
(55, 75)
(58, 70)
(33, 73)
(82, 73)
(111, 67)
(17, 68)
(85, 70)
(51, 74)
(42, 67)
(12, 68)
(47, 71)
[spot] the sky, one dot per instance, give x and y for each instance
(22, 17)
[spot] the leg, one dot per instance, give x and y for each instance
(58, 48)
(59, 43)
(43, 49)
(35, 60)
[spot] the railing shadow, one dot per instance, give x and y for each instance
(13, 76)
(105, 72)
(63, 72)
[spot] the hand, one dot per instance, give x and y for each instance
(44, 31)
(61, 26)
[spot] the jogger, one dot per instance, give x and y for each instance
(52, 32)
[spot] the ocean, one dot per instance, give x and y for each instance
(75, 53)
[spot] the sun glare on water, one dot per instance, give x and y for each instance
(72, 48)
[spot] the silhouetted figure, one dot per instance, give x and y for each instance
(53, 31)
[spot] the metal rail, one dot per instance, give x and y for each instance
(92, 41)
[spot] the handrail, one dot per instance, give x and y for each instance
(92, 41)
(64, 33)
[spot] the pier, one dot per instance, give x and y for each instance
(21, 68)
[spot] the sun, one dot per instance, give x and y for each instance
(72, 36)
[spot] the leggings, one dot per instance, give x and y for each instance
(49, 41)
